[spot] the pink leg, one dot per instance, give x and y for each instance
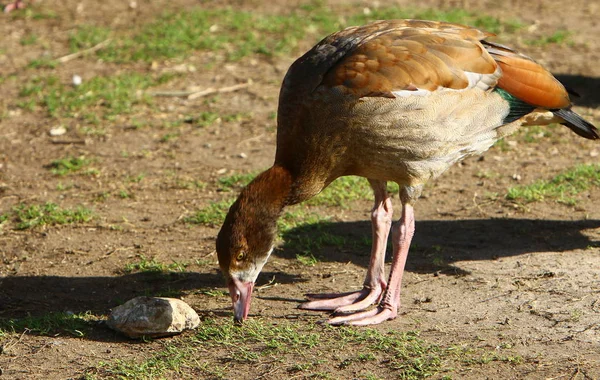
(388, 307)
(374, 285)
(18, 4)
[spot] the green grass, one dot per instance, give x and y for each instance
(70, 165)
(343, 190)
(235, 181)
(339, 193)
(212, 215)
(51, 324)
(308, 260)
(232, 34)
(563, 188)
(532, 134)
(146, 265)
(29, 39)
(220, 349)
(87, 36)
(407, 356)
(30, 216)
(42, 63)
(235, 34)
(206, 119)
(107, 96)
(486, 22)
(34, 13)
(559, 37)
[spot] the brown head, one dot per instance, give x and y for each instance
(246, 239)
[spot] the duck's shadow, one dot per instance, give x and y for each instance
(439, 243)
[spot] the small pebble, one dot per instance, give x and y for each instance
(77, 80)
(58, 131)
(242, 155)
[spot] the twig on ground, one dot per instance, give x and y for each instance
(80, 53)
(191, 95)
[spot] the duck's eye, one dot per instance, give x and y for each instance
(241, 256)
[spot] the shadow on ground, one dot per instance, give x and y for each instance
(437, 244)
(38, 295)
(450, 240)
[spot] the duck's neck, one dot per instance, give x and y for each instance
(261, 203)
(266, 196)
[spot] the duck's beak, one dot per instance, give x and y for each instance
(241, 293)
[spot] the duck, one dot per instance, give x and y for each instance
(393, 100)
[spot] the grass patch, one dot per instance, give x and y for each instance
(308, 260)
(29, 39)
(235, 181)
(206, 119)
(563, 188)
(31, 216)
(534, 133)
(232, 34)
(70, 165)
(296, 216)
(220, 349)
(152, 266)
(212, 215)
(343, 190)
(87, 36)
(42, 63)
(171, 359)
(51, 324)
(460, 16)
(235, 34)
(559, 37)
(347, 189)
(33, 13)
(106, 96)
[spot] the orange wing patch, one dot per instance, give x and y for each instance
(411, 55)
(527, 80)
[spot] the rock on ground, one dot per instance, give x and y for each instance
(153, 317)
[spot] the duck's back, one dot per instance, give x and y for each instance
(403, 100)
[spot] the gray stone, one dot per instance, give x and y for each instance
(153, 317)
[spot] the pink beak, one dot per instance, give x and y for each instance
(241, 293)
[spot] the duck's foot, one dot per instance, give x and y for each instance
(18, 4)
(369, 317)
(343, 302)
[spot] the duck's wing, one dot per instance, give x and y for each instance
(411, 57)
(400, 58)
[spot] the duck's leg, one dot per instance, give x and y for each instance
(374, 285)
(402, 234)
(17, 4)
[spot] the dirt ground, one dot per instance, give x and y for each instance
(484, 271)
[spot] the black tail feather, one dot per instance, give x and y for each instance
(577, 124)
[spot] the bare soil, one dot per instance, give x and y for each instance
(484, 272)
